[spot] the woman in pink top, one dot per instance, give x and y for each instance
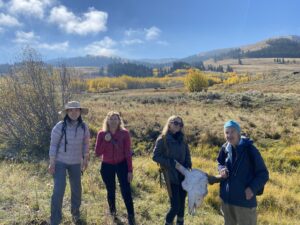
(113, 147)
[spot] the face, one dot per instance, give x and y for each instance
(175, 125)
(232, 135)
(73, 113)
(113, 122)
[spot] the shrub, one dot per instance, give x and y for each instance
(195, 81)
(29, 105)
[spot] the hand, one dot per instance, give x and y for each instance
(249, 193)
(177, 164)
(84, 164)
(224, 172)
(129, 177)
(51, 168)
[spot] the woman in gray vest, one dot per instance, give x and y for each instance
(69, 152)
(170, 147)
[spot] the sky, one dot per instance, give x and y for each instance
(140, 29)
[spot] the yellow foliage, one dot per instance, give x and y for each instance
(195, 80)
(234, 78)
(127, 82)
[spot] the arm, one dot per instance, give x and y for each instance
(261, 173)
(127, 149)
(86, 143)
(159, 157)
(188, 160)
(55, 139)
(223, 171)
(221, 159)
(85, 149)
(98, 146)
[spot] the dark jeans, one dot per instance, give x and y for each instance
(108, 173)
(59, 176)
(177, 202)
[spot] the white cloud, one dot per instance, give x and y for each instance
(92, 21)
(31, 39)
(33, 8)
(54, 47)
(104, 47)
(139, 36)
(132, 41)
(152, 33)
(8, 21)
(26, 37)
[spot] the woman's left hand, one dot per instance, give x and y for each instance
(249, 193)
(130, 177)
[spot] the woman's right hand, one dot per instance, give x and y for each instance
(224, 172)
(51, 169)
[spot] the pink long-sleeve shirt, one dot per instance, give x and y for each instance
(117, 149)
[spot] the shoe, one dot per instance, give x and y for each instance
(78, 221)
(168, 223)
(131, 220)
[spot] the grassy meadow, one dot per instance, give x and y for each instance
(267, 108)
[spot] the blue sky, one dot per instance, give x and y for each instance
(140, 29)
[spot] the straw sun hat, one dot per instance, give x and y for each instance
(74, 105)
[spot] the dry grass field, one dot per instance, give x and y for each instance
(268, 110)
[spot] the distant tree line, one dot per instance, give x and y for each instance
(138, 70)
(284, 61)
(132, 69)
(283, 48)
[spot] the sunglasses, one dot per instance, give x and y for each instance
(176, 123)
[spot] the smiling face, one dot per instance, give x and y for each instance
(73, 113)
(175, 125)
(113, 122)
(232, 136)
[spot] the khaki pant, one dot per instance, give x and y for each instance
(235, 215)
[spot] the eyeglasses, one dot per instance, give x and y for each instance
(176, 123)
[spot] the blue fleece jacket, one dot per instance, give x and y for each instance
(247, 170)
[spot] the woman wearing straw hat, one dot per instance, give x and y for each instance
(69, 151)
(113, 146)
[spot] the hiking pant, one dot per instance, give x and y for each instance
(177, 202)
(236, 215)
(74, 172)
(108, 173)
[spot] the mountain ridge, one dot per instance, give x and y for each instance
(276, 47)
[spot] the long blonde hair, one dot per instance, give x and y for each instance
(166, 127)
(105, 126)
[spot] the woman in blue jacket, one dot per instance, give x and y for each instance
(244, 173)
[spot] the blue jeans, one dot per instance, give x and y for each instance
(74, 172)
